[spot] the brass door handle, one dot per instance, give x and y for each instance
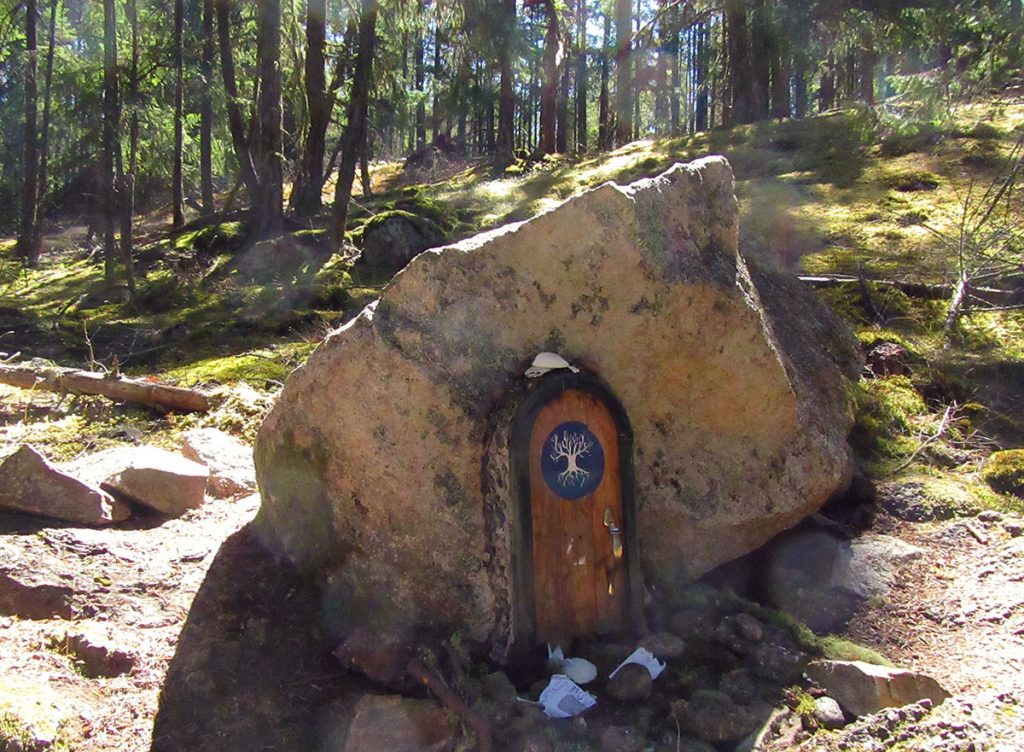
(616, 533)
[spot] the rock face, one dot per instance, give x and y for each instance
(28, 483)
(385, 464)
(863, 688)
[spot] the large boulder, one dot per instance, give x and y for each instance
(385, 463)
(229, 460)
(28, 483)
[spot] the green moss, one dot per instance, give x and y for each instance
(910, 181)
(1004, 471)
(13, 733)
(885, 409)
(215, 238)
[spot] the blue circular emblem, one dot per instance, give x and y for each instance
(572, 461)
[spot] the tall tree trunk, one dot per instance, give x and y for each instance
(761, 59)
(701, 84)
(662, 116)
(1015, 32)
(781, 103)
(673, 49)
(801, 63)
(504, 152)
(356, 121)
(740, 75)
(268, 206)
(581, 76)
(827, 88)
(177, 177)
(44, 135)
(30, 188)
(111, 149)
(868, 60)
(206, 111)
(549, 79)
(562, 109)
(437, 106)
(307, 198)
(421, 104)
(128, 179)
(604, 127)
(623, 73)
(233, 103)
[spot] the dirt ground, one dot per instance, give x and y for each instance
(228, 654)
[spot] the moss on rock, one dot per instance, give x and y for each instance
(1005, 472)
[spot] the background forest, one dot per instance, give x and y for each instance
(113, 108)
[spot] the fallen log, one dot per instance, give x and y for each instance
(922, 290)
(162, 397)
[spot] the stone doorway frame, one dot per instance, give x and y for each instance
(537, 395)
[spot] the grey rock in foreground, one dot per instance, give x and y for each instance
(822, 580)
(863, 688)
(230, 461)
(28, 483)
(155, 478)
(384, 465)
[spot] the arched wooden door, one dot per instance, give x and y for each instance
(577, 533)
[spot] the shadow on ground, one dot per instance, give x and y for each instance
(252, 670)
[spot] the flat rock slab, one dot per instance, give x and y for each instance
(29, 483)
(155, 478)
(863, 688)
(229, 459)
(398, 724)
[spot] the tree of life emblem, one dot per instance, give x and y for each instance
(572, 461)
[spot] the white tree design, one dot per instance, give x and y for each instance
(571, 446)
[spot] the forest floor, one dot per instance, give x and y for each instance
(223, 638)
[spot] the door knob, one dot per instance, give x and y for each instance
(616, 533)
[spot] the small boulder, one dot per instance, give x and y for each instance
(149, 476)
(398, 724)
(229, 460)
(28, 483)
(828, 714)
(1004, 471)
(749, 628)
(822, 580)
(739, 685)
(379, 656)
(863, 688)
(779, 664)
(631, 683)
(95, 651)
(715, 718)
(621, 739)
(391, 240)
(664, 645)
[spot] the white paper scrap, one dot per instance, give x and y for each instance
(563, 698)
(645, 658)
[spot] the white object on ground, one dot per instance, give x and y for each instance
(563, 698)
(645, 658)
(580, 670)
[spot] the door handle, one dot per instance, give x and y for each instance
(616, 533)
